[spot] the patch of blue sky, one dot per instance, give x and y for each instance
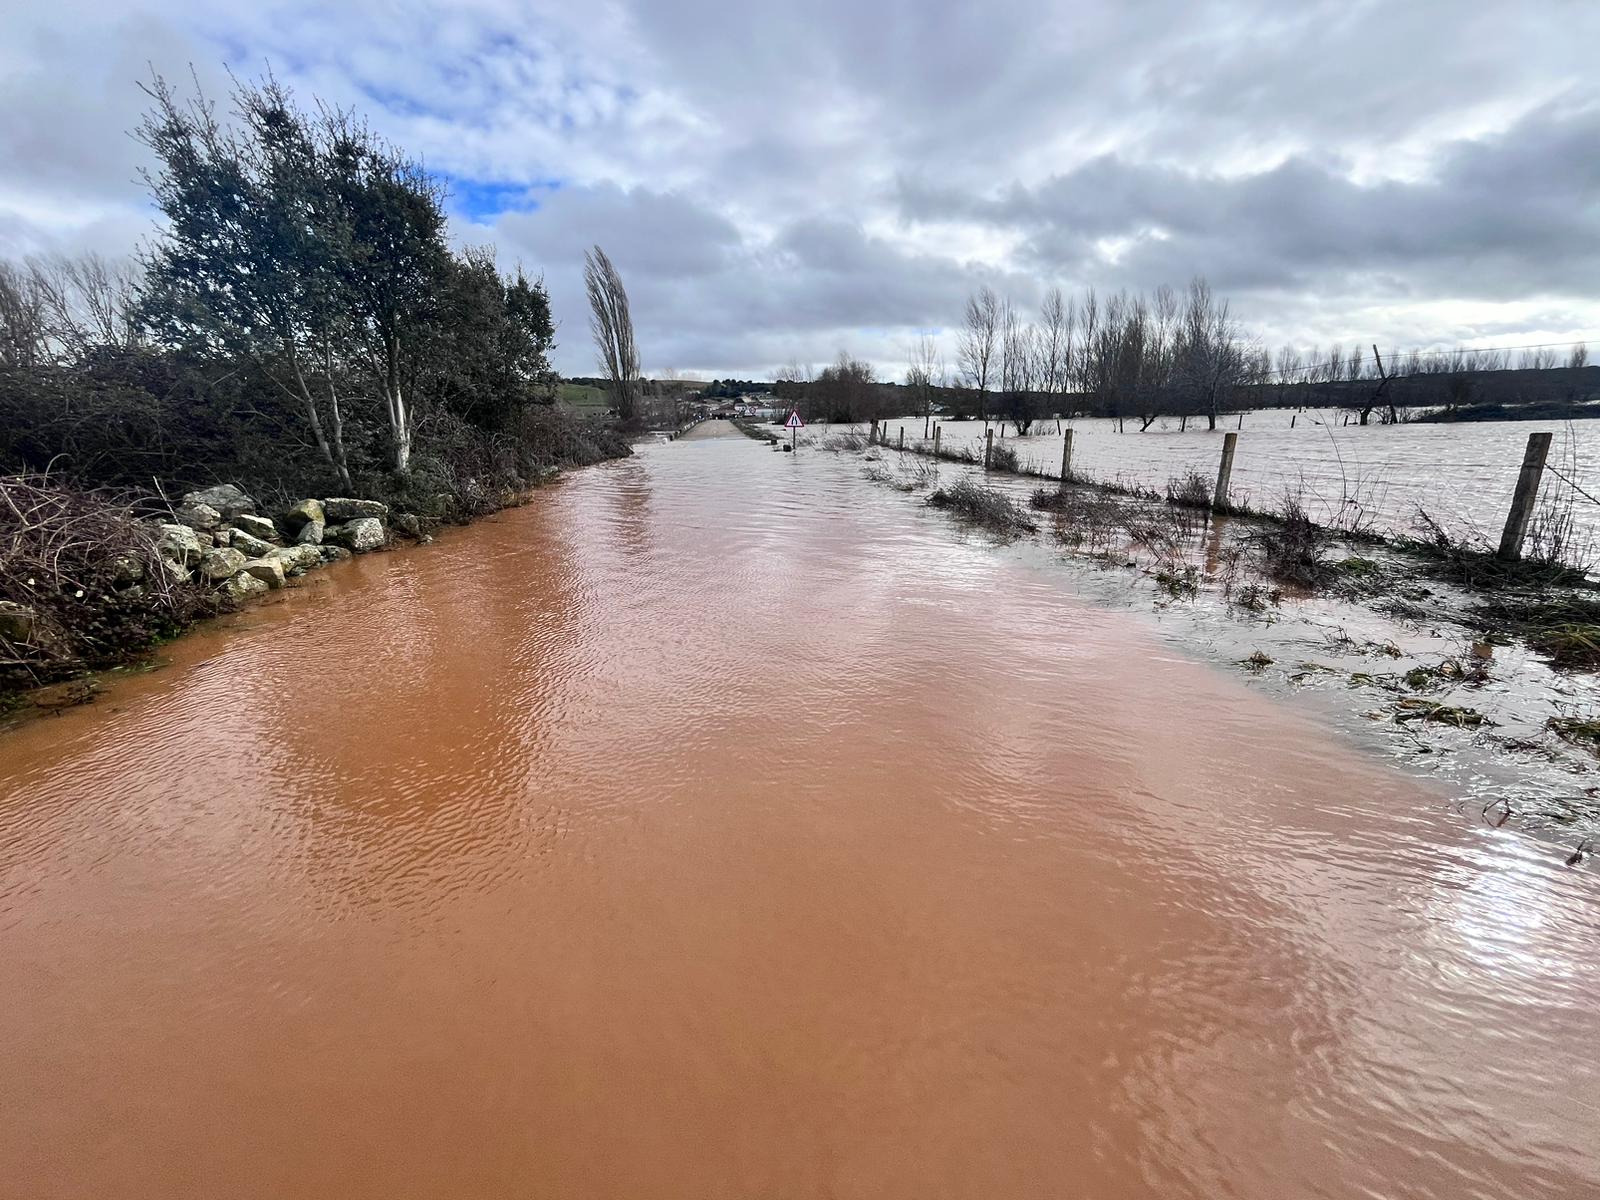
(481, 200)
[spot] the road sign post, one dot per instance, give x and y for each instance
(793, 424)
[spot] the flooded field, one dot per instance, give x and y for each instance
(722, 824)
(1461, 474)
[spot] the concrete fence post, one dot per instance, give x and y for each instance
(1219, 498)
(1527, 495)
(1066, 459)
(988, 447)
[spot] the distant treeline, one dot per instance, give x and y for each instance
(1169, 354)
(299, 324)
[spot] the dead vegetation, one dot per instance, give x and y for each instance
(978, 505)
(1578, 731)
(1293, 548)
(1189, 491)
(82, 584)
(1431, 712)
(1004, 458)
(1563, 627)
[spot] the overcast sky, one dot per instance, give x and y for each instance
(783, 180)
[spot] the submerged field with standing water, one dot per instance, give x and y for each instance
(1375, 477)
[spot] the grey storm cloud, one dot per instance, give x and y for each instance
(781, 181)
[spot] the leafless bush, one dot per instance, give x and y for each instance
(83, 575)
(1191, 490)
(844, 443)
(1087, 518)
(1293, 547)
(983, 506)
(1004, 458)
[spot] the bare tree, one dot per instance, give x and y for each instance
(1579, 356)
(1058, 320)
(612, 325)
(1211, 356)
(1019, 365)
(979, 345)
(1159, 353)
(89, 302)
(24, 337)
(924, 369)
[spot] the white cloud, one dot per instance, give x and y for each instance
(778, 180)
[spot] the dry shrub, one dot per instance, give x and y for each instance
(984, 506)
(88, 570)
(1294, 548)
(1190, 491)
(1004, 458)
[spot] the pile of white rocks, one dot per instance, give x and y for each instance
(218, 537)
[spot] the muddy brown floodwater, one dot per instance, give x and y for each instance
(724, 825)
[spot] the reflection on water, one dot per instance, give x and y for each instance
(1462, 474)
(722, 825)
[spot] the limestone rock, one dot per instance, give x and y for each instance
(329, 553)
(242, 587)
(310, 534)
(341, 508)
(226, 498)
(408, 524)
(296, 560)
(180, 544)
(17, 621)
(249, 543)
(222, 537)
(198, 516)
(126, 570)
(256, 526)
(173, 572)
(269, 570)
(359, 535)
(222, 563)
(303, 514)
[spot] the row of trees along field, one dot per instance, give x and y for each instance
(1169, 354)
(299, 323)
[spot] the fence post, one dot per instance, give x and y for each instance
(988, 447)
(902, 444)
(936, 441)
(1066, 460)
(1533, 459)
(1219, 498)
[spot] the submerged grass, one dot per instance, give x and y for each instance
(1293, 548)
(978, 505)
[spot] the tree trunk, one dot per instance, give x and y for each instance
(314, 419)
(399, 414)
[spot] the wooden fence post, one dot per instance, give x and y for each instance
(936, 441)
(1533, 459)
(902, 444)
(1066, 460)
(988, 447)
(1219, 498)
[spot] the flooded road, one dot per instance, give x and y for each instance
(721, 825)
